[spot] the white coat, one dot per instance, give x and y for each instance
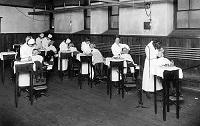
(25, 51)
(150, 61)
(85, 48)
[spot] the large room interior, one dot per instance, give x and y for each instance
(67, 98)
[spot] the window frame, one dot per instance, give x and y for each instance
(86, 16)
(110, 15)
(190, 10)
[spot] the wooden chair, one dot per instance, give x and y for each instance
(40, 87)
(85, 60)
(119, 67)
(21, 69)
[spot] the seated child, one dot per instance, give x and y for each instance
(129, 60)
(50, 53)
(38, 59)
(97, 59)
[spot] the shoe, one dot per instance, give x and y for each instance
(148, 95)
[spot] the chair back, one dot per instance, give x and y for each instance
(8, 57)
(86, 59)
(24, 68)
(118, 64)
(65, 55)
(24, 74)
(171, 75)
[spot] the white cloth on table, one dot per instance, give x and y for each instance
(150, 63)
(6, 53)
(84, 66)
(160, 69)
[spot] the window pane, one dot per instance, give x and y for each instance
(195, 19)
(115, 10)
(182, 19)
(87, 23)
(195, 4)
(114, 22)
(183, 4)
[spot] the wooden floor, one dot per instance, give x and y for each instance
(67, 105)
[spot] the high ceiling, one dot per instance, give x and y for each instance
(41, 4)
(49, 5)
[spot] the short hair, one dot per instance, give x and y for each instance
(157, 44)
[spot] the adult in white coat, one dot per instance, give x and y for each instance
(151, 51)
(27, 48)
(85, 47)
(116, 48)
(64, 48)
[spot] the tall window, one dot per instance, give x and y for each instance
(113, 17)
(188, 14)
(87, 19)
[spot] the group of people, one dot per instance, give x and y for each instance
(154, 57)
(31, 49)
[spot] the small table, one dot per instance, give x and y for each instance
(158, 71)
(6, 56)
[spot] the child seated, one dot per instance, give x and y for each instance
(129, 60)
(50, 53)
(38, 59)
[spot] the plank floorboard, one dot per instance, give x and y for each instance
(67, 105)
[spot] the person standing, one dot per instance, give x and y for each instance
(151, 51)
(64, 48)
